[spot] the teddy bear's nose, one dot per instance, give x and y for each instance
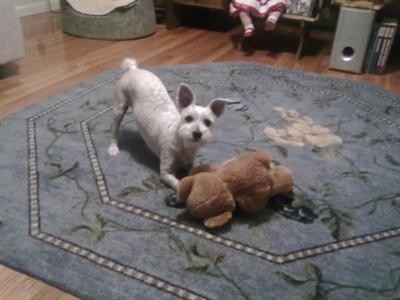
(196, 135)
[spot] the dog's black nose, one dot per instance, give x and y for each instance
(196, 135)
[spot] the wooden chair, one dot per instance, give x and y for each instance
(173, 15)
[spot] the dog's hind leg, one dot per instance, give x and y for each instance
(120, 107)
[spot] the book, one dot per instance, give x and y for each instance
(377, 49)
(380, 44)
(385, 41)
(371, 48)
(391, 29)
(387, 50)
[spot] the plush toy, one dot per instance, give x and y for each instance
(212, 192)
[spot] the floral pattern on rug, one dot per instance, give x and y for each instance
(303, 129)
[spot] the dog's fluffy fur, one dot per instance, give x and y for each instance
(173, 134)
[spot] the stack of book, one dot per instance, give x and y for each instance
(379, 46)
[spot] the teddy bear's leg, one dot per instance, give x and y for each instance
(219, 220)
(282, 178)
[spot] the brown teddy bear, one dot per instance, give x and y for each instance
(211, 192)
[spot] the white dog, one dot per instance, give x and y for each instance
(173, 135)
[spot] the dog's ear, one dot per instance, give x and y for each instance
(185, 96)
(217, 106)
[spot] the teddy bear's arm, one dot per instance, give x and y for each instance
(184, 189)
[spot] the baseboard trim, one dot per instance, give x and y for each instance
(37, 7)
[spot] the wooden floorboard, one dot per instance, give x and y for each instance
(55, 61)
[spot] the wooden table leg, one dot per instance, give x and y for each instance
(172, 19)
(301, 42)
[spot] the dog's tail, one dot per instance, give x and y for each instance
(129, 64)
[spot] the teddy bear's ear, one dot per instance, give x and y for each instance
(282, 179)
(204, 168)
(184, 189)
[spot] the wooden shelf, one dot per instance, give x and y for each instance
(299, 18)
(358, 4)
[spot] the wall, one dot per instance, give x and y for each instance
(31, 7)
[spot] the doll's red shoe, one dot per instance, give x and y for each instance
(248, 31)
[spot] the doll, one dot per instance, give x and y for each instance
(246, 9)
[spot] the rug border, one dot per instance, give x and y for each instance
(275, 258)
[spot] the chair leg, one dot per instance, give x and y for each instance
(301, 42)
(246, 45)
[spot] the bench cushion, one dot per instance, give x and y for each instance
(98, 7)
(129, 23)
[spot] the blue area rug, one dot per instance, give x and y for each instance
(98, 227)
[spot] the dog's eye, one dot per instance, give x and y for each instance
(189, 119)
(207, 122)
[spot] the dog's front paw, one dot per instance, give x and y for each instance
(113, 150)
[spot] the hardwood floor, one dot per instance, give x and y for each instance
(55, 61)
